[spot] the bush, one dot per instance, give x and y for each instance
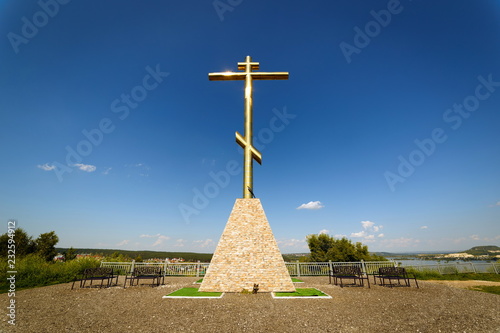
(324, 247)
(35, 271)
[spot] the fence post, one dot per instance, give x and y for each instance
(132, 266)
(298, 268)
(330, 267)
(473, 267)
(165, 267)
(363, 267)
(494, 267)
(198, 266)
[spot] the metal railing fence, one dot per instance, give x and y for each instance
(311, 268)
(458, 267)
(199, 269)
(170, 269)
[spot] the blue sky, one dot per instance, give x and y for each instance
(386, 131)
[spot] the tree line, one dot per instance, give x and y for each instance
(43, 245)
(324, 247)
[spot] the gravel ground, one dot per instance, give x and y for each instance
(432, 308)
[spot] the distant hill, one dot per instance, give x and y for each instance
(484, 250)
(188, 256)
(292, 257)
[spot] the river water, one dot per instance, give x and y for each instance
(420, 262)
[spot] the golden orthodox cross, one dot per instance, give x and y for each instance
(246, 142)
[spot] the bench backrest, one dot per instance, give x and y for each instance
(147, 270)
(394, 271)
(346, 270)
(97, 272)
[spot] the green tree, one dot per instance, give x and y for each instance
(324, 247)
(45, 245)
(138, 258)
(70, 254)
(23, 242)
(319, 245)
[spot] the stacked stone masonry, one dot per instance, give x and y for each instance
(247, 254)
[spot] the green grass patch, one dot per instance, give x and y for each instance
(193, 292)
(301, 292)
(199, 281)
(487, 289)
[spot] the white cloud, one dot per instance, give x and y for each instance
(123, 242)
(359, 234)
(46, 167)
(497, 204)
(204, 243)
(293, 245)
(311, 205)
(180, 242)
(106, 172)
(424, 227)
(161, 239)
(367, 224)
(85, 167)
(324, 231)
(475, 237)
(369, 231)
(149, 236)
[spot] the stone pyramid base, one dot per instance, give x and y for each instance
(247, 253)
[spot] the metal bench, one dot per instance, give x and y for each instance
(351, 272)
(102, 274)
(145, 273)
(393, 276)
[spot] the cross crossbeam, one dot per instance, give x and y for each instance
(246, 142)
